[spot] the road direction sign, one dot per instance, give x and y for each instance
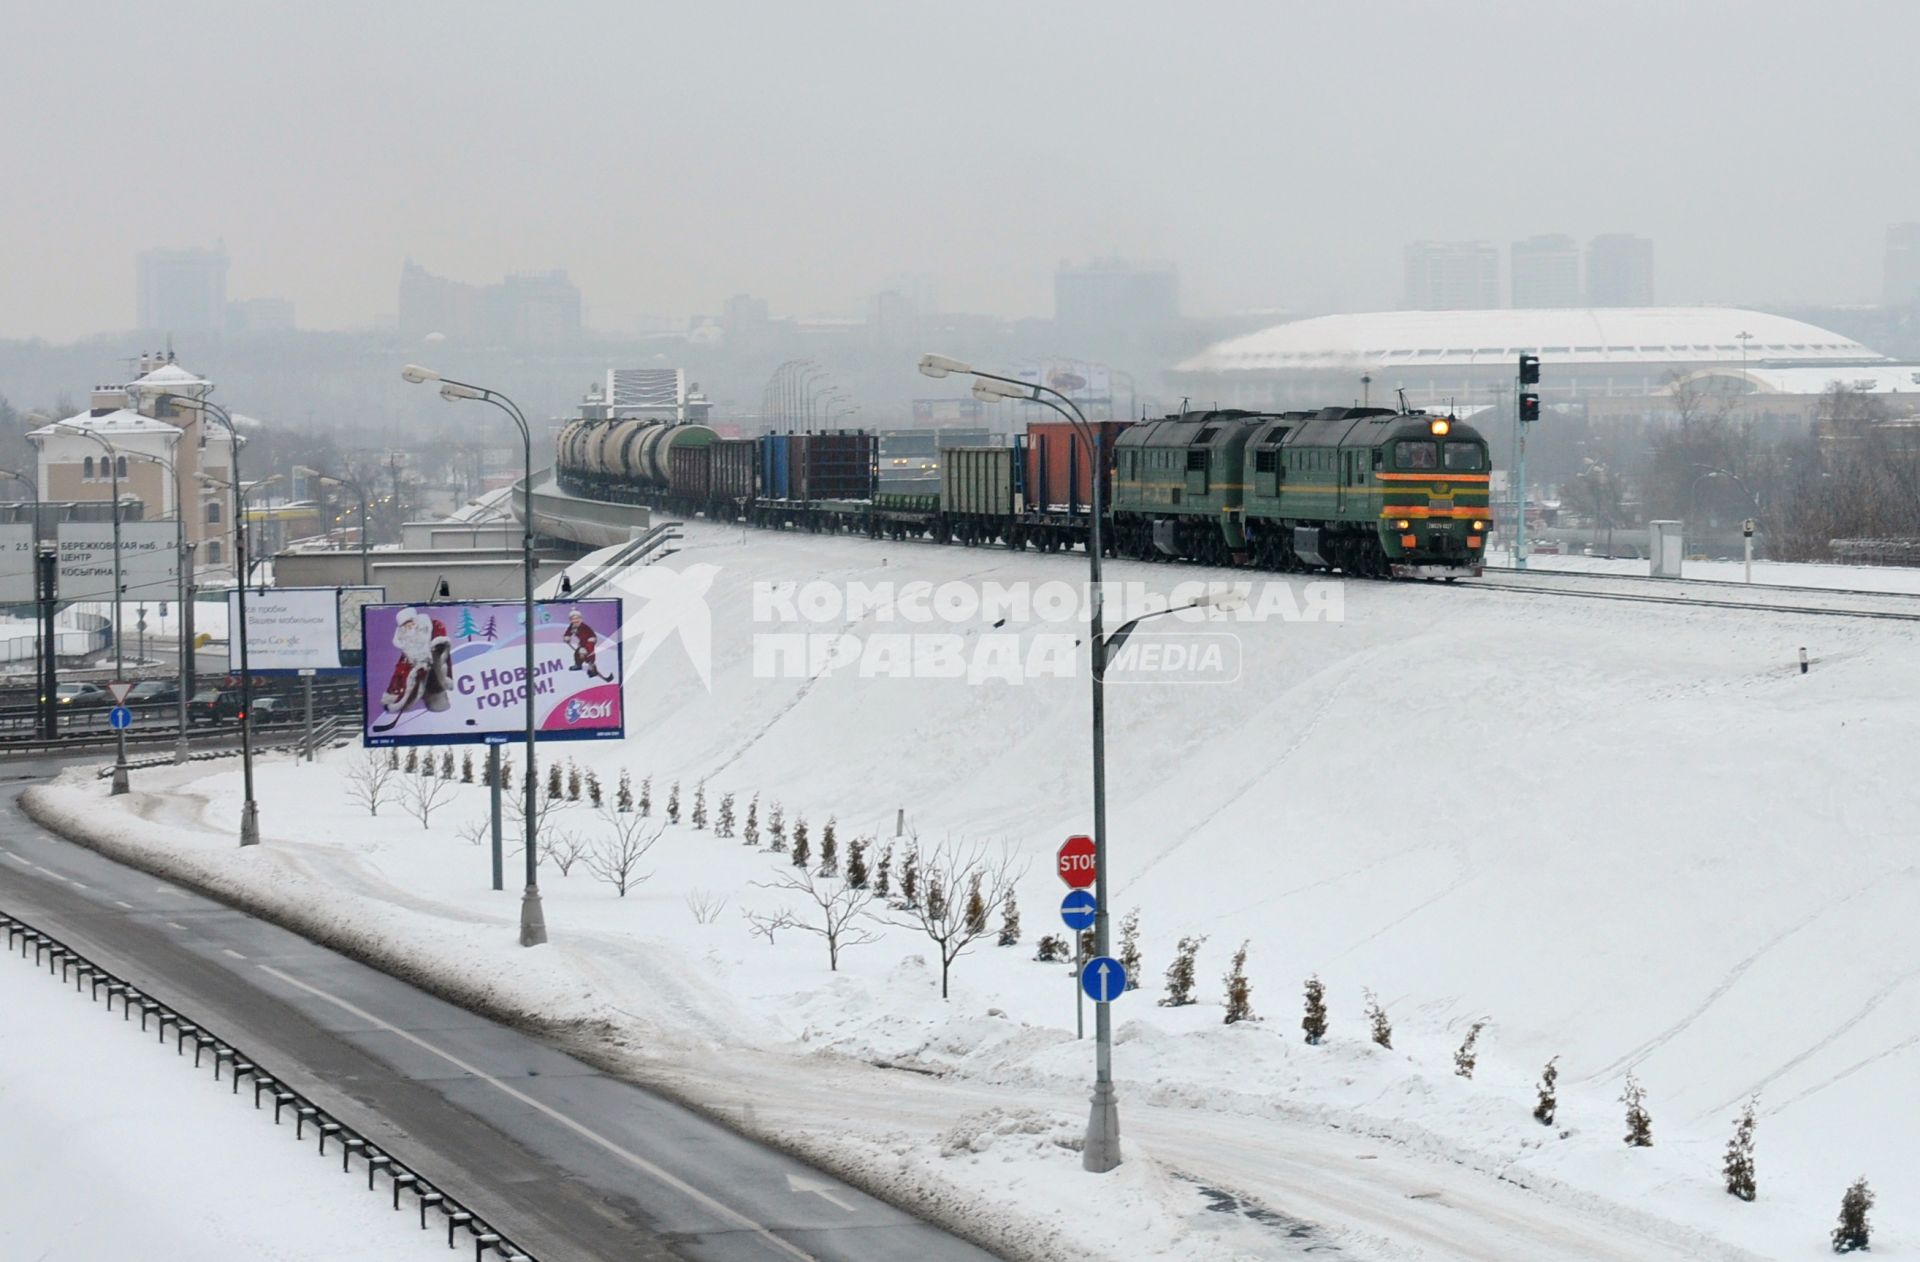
(1078, 910)
(1104, 979)
(1076, 862)
(119, 689)
(119, 718)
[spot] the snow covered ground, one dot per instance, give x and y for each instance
(113, 1147)
(1866, 578)
(1632, 837)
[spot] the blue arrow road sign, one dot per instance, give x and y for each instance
(119, 717)
(1078, 909)
(1104, 979)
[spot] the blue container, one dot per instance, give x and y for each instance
(775, 455)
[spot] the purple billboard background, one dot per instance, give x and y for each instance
(453, 675)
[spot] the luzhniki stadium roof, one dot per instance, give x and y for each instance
(1599, 336)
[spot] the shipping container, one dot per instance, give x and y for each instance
(733, 469)
(1058, 478)
(774, 484)
(977, 482)
(838, 466)
(690, 472)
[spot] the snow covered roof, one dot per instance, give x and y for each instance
(1573, 335)
(1880, 378)
(122, 421)
(169, 375)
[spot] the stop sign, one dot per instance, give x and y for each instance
(1076, 862)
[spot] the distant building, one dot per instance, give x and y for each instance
(1451, 276)
(260, 315)
(1619, 271)
(1112, 301)
(136, 422)
(532, 309)
(744, 315)
(1546, 272)
(181, 291)
(1903, 265)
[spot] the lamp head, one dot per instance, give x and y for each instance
(933, 365)
(1225, 599)
(452, 390)
(990, 391)
(418, 375)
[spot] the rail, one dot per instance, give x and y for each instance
(376, 1160)
(633, 553)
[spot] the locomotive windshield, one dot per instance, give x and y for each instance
(1464, 457)
(1417, 455)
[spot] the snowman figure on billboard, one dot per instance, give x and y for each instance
(586, 646)
(423, 675)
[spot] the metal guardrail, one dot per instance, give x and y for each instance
(630, 554)
(90, 976)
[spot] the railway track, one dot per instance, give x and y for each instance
(1823, 602)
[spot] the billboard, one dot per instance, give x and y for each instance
(1089, 385)
(455, 673)
(148, 553)
(16, 564)
(291, 629)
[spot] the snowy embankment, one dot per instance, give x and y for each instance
(1632, 838)
(116, 1148)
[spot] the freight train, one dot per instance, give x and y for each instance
(1372, 492)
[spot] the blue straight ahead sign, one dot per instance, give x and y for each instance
(119, 718)
(1104, 979)
(1078, 909)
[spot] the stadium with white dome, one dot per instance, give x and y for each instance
(1586, 354)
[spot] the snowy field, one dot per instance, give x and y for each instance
(1865, 578)
(113, 1147)
(1632, 837)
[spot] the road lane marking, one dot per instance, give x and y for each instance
(118, 903)
(631, 1158)
(230, 951)
(801, 1185)
(181, 928)
(49, 871)
(76, 884)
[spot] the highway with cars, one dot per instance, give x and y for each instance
(574, 1164)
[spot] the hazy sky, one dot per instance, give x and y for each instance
(668, 155)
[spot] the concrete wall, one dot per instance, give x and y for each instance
(412, 576)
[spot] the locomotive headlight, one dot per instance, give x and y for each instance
(1440, 425)
(1402, 524)
(1479, 525)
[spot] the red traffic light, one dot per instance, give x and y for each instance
(1529, 407)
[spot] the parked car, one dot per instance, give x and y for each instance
(153, 692)
(80, 696)
(213, 705)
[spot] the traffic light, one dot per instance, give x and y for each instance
(1529, 406)
(1529, 369)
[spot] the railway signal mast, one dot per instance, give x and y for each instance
(1526, 411)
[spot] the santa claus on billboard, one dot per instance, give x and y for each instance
(586, 646)
(424, 672)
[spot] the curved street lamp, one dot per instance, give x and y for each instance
(533, 923)
(120, 784)
(249, 806)
(183, 630)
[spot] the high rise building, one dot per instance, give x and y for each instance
(260, 315)
(181, 291)
(1452, 276)
(1619, 271)
(1113, 301)
(1902, 284)
(1546, 272)
(538, 308)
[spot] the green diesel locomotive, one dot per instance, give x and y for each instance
(1368, 491)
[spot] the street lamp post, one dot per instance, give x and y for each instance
(33, 572)
(249, 807)
(533, 923)
(120, 784)
(360, 491)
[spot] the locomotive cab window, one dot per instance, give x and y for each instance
(1464, 457)
(1417, 455)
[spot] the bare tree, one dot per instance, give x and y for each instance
(705, 905)
(615, 856)
(475, 832)
(839, 914)
(421, 794)
(370, 780)
(943, 913)
(563, 847)
(764, 924)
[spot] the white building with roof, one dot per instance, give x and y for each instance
(158, 451)
(1471, 356)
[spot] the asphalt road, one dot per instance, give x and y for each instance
(573, 1164)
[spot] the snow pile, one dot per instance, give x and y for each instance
(116, 1148)
(1632, 837)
